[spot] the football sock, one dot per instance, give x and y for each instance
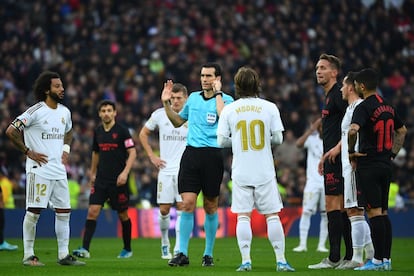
(368, 246)
(29, 233)
(388, 237)
(210, 228)
(358, 237)
(323, 230)
(186, 228)
(90, 226)
(276, 237)
(347, 236)
(335, 229)
(378, 236)
(304, 224)
(244, 237)
(164, 222)
(62, 231)
(177, 232)
(126, 234)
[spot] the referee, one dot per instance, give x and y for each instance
(201, 167)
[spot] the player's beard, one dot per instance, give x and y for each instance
(55, 97)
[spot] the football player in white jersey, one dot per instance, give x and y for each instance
(172, 143)
(47, 131)
(314, 192)
(360, 231)
(251, 126)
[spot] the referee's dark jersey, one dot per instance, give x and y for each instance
(377, 120)
(332, 114)
(112, 148)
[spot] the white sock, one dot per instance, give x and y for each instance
(244, 237)
(62, 231)
(323, 230)
(29, 233)
(304, 224)
(164, 222)
(369, 247)
(177, 232)
(276, 237)
(358, 237)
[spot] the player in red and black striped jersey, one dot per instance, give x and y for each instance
(381, 135)
(113, 154)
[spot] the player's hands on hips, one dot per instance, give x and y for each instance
(40, 158)
(65, 158)
(353, 158)
(158, 162)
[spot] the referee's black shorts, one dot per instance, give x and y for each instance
(201, 169)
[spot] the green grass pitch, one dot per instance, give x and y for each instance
(146, 259)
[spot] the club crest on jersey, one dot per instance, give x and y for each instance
(114, 135)
(63, 121)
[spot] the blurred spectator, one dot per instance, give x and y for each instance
(7, 190)
(74, 191)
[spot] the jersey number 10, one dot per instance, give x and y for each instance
(252, 136)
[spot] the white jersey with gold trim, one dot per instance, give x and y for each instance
(44, 131)
(249, 122)
(172, 140)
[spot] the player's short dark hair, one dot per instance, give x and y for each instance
(369, 77)
(247, 82)
(334, 61)
(178, 87)
(350, 78)
(43, 84)
(214, 65)
(106, 102)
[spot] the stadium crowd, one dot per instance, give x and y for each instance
(125, 50)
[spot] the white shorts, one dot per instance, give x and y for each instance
(265, 198)
(167, 189)
(350, 191)
(314, 198)
(41, 191)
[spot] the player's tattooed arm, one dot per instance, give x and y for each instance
(67, 140)
(399, 137)
(14, 132)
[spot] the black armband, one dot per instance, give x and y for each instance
(218, 93)
(17, 124)
(351, 151)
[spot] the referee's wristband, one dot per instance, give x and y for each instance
(218, 93)
(66, 148)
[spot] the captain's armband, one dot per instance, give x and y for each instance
(17, 124)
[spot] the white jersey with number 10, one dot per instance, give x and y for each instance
(249, 122)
